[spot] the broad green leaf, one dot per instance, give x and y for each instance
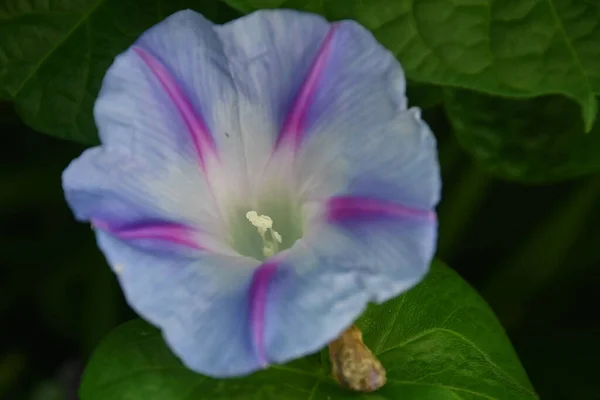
(438, 341)
(506, 47)
(54, 53)
(536, 140)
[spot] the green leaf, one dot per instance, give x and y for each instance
(536, 140)
(438, 341)
(54, 53)
(510, 47)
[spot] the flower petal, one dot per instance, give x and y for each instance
(172, 97)
(302, 68)
(160, 115)
(326, 280)
(355, 141)
(118, 190)
(153, 98)
(196, 128)
(321, 87)
(270, 54)
(200, 302)
(396, 161)
(259, 289)
(374, 237)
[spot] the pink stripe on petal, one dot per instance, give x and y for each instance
(203, 141)
(294, 125)
(361, 208)
(259, 289)
(171, 233)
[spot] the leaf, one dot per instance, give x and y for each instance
(512, 47)
(438, 341)
(536, 140)
(54, 53)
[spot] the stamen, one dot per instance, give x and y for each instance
(264, 223)
(276, 236)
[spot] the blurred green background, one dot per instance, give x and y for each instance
(531, 251)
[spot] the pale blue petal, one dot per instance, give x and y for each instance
(193, 123)
(396, 161)
(328, 278)
(200, 303)
(343, 263)
(269, 52)
(272, 54)
(135, 113)
(115, 187)
(357, 140)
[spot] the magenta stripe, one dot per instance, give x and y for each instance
(294, 124)
(259, 288)
(172, 233)
(203, 141)
(346, 208)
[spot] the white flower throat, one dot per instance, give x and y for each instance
(264, 224)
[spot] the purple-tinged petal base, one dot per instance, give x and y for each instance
(294, 126)
(340, 209)
(258, 303)
(201, 137)
(164, 232)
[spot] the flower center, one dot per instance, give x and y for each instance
(264, 224)
(275, 216)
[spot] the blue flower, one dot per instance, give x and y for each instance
(258, 183)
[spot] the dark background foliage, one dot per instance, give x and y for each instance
(525, 237)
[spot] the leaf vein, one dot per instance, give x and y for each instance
(450, 388)
(500, 371)
(391, 326)
(560, 25)
(314, 390)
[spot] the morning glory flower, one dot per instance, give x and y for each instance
(258, 184)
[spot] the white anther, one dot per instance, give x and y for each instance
(262, 224)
